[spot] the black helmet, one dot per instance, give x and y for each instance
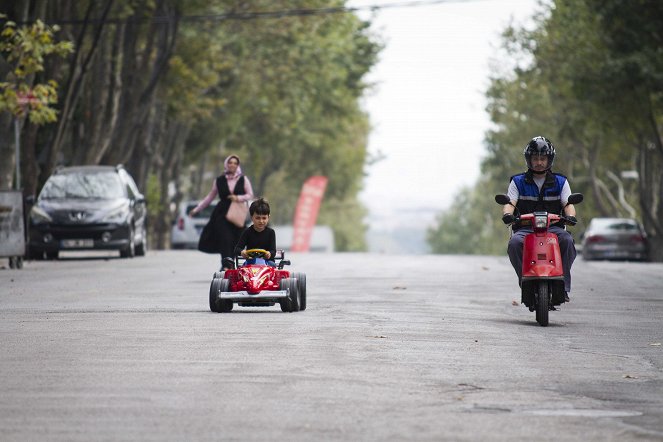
(539, 146)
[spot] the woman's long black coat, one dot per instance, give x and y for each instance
(220, 235)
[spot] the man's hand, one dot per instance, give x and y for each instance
(508, 218)
(571, 220)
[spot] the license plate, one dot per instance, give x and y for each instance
(77, 243)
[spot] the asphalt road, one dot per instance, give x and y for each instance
(389, 348)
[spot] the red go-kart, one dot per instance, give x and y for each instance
(255, 283)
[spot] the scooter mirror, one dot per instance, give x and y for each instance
(575, 198)
(502, 199)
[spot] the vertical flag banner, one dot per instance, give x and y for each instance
(306, 212)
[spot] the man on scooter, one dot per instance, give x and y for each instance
(539, 189)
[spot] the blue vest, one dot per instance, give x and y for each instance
(530, 199)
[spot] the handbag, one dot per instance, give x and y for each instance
(237, 213)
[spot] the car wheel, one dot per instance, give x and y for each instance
(142, 247)
(225, 305)
(130, 250)
(301, 285)
(33, 254)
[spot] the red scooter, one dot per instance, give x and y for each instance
(542, 283)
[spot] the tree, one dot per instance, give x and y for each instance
(593, 86)
(24, 50)
(164, 86)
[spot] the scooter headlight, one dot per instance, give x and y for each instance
(541, 221)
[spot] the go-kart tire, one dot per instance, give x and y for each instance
(214, 289)
(284, 302)
(225, 305)
(301, 285)
(219, 275)
(291, 302)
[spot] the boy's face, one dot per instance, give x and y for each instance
(259, 221)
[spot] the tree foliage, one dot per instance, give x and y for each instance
(593, 85)
(169, 95)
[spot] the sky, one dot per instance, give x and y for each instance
(427, 107)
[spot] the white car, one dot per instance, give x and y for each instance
(186, 229)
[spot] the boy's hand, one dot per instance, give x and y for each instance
(268, 255)
(243, 253)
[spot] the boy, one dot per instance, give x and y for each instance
(258, 235)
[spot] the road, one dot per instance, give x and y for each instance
(389, 348)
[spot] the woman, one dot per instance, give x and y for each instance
(220, 235)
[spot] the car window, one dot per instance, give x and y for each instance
(617, 225)
(132, 189)
(98, 185)
(204, 214)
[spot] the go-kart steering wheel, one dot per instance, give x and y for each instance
(257, 253)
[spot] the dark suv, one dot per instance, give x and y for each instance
(88, 208)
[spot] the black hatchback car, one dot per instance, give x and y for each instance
(88, 208)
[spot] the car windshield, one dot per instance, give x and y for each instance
(98, 185)
(203, 214)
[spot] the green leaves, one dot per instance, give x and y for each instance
(25, 49)
(589, 78)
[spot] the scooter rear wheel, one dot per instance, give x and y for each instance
(542, 303)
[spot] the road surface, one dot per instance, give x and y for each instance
(389, 348)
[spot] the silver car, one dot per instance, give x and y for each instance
(186, 229)
(614, 238)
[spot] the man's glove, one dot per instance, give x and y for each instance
(508, 218)
(571, 220)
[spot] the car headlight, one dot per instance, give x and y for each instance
(39, 216)
(118, 215)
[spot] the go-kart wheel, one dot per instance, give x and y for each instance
(301, 285)
(214, 290)
(291, 303)
(284, 302)
(225, 305)
(219, 275)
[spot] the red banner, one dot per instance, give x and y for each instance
(306, 212)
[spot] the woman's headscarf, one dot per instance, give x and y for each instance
(238, 172)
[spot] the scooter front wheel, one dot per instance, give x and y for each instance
(542, 303)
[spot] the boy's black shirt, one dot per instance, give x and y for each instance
(252, 239)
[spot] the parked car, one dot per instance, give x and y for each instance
(614, 238)
(88, 208)
(186, 229)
